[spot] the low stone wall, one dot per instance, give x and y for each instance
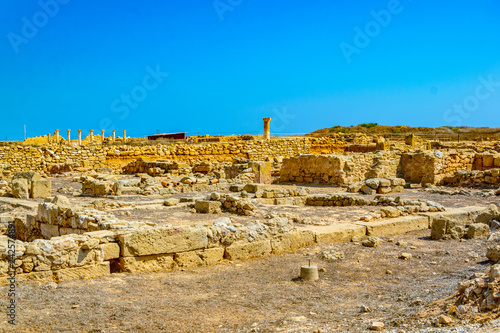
(60, 258)
(472, 178)
(149, 248)
(59, 218)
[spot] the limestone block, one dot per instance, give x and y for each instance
(477, 230)
(367, 190)
(171, 202)
(242, 251)
(44, 276)
(252, 188)
(337, 233)
(396, 226)
(384, 189)
(292, 241)
(163, 240)
(40, 189)
(110, 251)
(151, 263)
(20, 188)
(207, 206)
(85, 272)
(49, 230)
(488, 161)
(391, 211)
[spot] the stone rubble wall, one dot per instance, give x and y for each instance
(54, 158)
(340, 169)
(433, 167)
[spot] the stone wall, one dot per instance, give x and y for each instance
(434, 167)
(340, 169)
(55, 158)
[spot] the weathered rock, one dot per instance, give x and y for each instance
(207, 206)
(371, 242)
(20, 188)
(391, 211)
(441, 226)
(162, 240)
(477, 230)
(171, 202)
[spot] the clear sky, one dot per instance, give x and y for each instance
(219, 66)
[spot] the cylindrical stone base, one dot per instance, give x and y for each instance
(309, 273)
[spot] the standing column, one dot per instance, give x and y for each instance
(102, 135)
(114, 132)
(124, 135)
(79, 137)
(91, 135)
(69, 136)
(267, 129)
(57, 135)
(48, 138)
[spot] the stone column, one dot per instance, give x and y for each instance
(114, 133)
(69, 136)
(48, 138)
(124, 135)
(79, 137)
(57, 135)
(91, 135)
(267, 129)
(102, 135)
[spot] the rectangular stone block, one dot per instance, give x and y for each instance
(252, 188)
(163, 240)
(152, 263)
(460, 215)
(207, 206)
(87, 272)
(110, 251)
(396, 226)
(292, 241)
(49, 230)
(337, 233)
(104, 236)
(40, 189)
(45, 276)
(242, 251)
(265, 201)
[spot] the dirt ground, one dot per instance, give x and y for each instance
(260, 295)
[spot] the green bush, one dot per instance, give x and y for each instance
(369, 125)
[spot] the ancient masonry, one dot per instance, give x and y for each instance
(63, 241)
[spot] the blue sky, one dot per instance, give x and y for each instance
(220, 66)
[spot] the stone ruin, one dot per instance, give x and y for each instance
(241, 198)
